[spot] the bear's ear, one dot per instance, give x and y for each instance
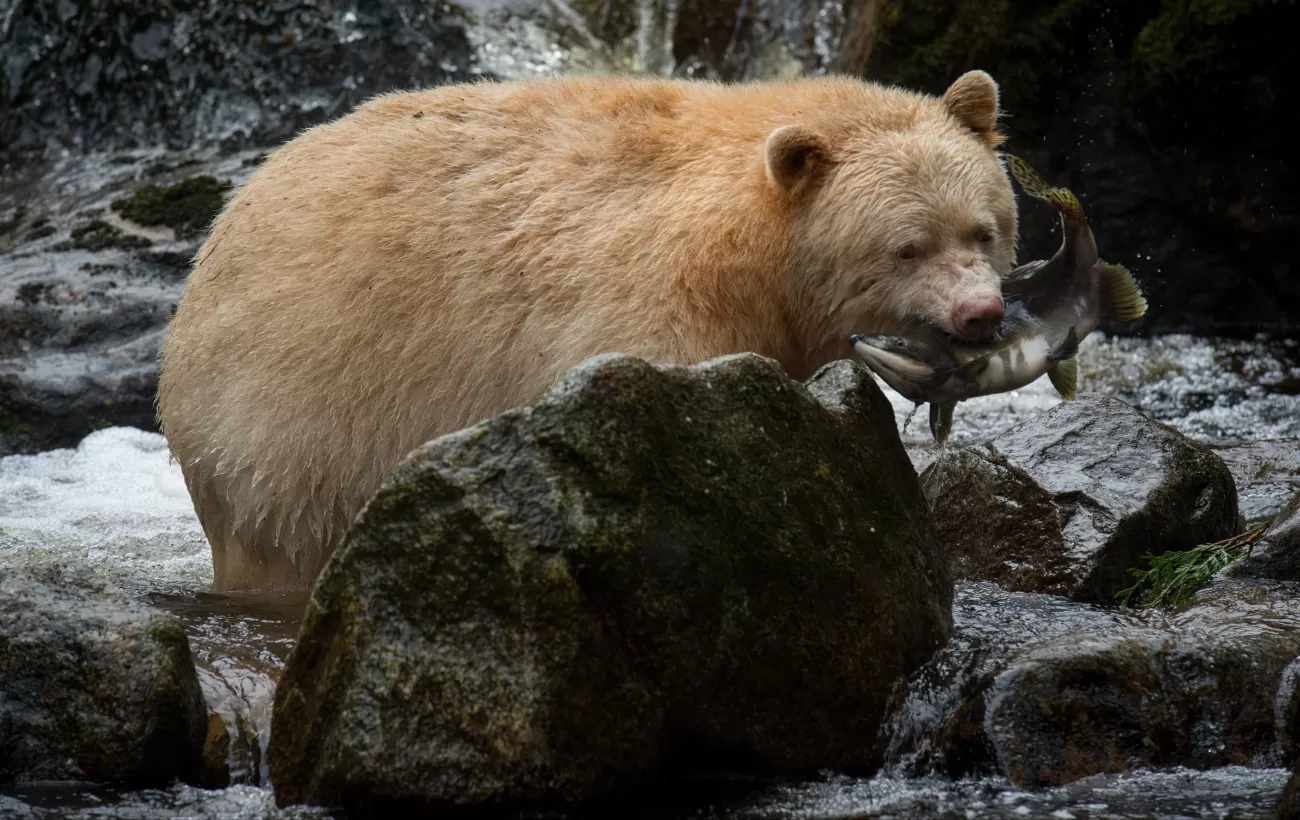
(793, 156)
(973, 99)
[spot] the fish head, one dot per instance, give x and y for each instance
(911, 366)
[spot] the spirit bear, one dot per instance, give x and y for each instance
(437, 257)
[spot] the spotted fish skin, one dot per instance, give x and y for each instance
(1050, 306)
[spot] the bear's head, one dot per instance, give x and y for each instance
(902, 210)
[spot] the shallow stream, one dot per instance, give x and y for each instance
(116, 503)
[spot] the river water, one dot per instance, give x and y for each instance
(116, 503)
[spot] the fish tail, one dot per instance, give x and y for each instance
(1062, 199)
(1123, 297)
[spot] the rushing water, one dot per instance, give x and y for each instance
(116, 503)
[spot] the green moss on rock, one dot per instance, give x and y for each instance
(187, 207)
(552, 603)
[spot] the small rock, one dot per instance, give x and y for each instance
(1069, 501)
(1277, 553)
(649, 564)
(93, 686)
(1213, 685)
(1267, 475)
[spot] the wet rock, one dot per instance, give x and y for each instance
(1095, 692)
(1277, 554)
(648, 565)
(1072, 499)
(83, 307)
(115, 74)
(938, 725)
(1267, 474)
(92, 685)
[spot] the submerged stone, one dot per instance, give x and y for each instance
(93, 686)
(649, 564)
(1071, 500)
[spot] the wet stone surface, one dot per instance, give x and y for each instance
(1070, 501)
(93, 686)
(645, 562)
(85, 294)
(1047, 692)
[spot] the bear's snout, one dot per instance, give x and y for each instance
(977, 317)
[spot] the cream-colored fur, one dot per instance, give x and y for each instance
(437, 257)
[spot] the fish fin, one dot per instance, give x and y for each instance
(941, 419)
(1062, 199)
(1123, 297)
(1065, 377)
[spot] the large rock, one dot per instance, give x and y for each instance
(650, 563)
(93, 686)
(1046, 692)
(1069, 501)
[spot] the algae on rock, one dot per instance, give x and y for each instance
(648, 561)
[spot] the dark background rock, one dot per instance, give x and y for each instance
(1068, 502)
(1171, 120)
(112, 74)
(93, 686)
(648, 568)
(81, 323)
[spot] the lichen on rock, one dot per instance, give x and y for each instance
(647, 562)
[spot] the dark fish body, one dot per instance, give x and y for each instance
(1050, 306)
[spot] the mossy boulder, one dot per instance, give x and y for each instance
(648, 564)
(93, 686)
(1071, 500)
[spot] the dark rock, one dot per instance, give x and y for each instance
(114, 74)
(1048, 692)
(1267, 475)
(1071, 500)
(84, 309)
(649, 564)
(1277, 554)
(1170, 120)
(93, 686)
(938, 725)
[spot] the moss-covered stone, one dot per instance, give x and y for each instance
(645, 562)
(93, 686)
(187, 207)
(96, 235)
(1071, 500)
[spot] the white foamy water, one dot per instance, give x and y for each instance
(114, 503)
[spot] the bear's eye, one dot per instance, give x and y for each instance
(983, 236)
(907, 252)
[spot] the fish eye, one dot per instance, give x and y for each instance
(898, 342)
(907, 252)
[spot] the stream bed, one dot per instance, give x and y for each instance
(117, 504)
